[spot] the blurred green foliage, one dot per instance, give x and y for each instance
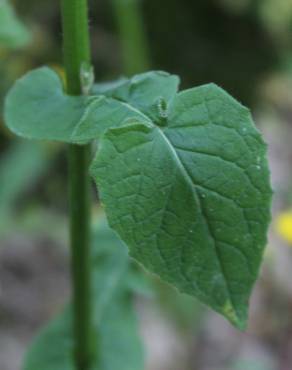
(19, 167)
(113, 315)
(13, 34)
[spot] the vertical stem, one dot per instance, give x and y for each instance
(77, 51)
(76, 45)
(79, 191)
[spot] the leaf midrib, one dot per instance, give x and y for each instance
(186, 175)
(196, 196)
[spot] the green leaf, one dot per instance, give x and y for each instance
(118, 343)
(143, 91)
(192, 199)
(37, 107)
(13, 34)
(108, 88)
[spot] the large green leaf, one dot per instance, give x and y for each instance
(13, 34)
(37, 107)
(184, 177)
(118, 344)
(191, 199)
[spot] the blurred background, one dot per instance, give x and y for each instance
(245, 46)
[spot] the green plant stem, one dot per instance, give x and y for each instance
(80, 253)
(76, 45)
(77, 51)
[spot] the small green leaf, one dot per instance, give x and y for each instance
(118, 344)
(192, 199)
(37, 108)
(143, 91)
(13, 34)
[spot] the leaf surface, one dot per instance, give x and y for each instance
(37, 107)
(143, 91)
(191, 199)
(183, 176)
(118, 344)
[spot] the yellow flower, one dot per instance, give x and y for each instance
(284, 225)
